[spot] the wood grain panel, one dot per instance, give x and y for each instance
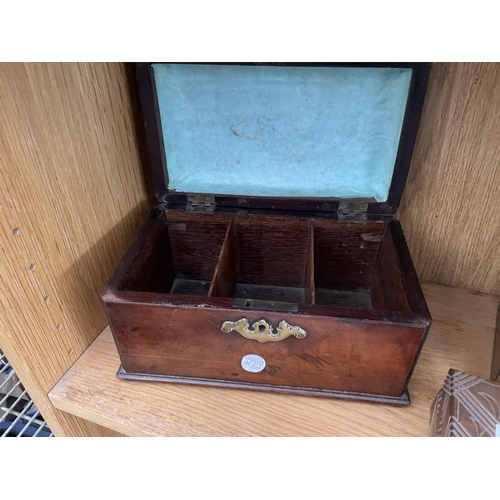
(152, 268)
(309, 281)
(448, 208)
(272, 251)
(337, 354)
(345, 253)
(224, 280)
(461, 337)
(72, 195)
(388, 289)
(186, 234)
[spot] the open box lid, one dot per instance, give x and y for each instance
(295, 136)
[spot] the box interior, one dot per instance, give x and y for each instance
(339, 138)
(270, 262)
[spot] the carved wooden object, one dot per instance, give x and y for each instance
(466, 406)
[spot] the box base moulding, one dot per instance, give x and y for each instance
(403, 400)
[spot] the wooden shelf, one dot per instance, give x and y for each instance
(461, 337)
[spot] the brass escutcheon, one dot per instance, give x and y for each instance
(262, 331)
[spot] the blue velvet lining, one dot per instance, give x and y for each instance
(281, 131)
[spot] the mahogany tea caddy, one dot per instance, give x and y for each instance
(268, 279)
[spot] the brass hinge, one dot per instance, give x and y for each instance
(200, 203)
(353, 211)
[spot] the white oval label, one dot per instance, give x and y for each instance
(253, 363)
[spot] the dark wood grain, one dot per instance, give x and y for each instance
(196, 241)
(309, 281)
(388, 289)
(122, 269)
(148, 264)
(403, 400)
(377, 294)
(224, 279)
(409, 276)
(151, 124)
(360, 237)
(414, 106)
(336, 354)
(403, 318)
(345, 253)
(272, 251)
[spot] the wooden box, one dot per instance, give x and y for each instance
(272, 261)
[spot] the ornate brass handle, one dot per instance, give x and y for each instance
(262, 331)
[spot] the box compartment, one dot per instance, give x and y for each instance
(263, 263)
(177, 257)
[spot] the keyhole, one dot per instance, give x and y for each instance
(262, 328)
(248, 303)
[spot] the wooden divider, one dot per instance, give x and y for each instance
(224, 279)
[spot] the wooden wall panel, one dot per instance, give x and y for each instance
(449, 209)
(72, 195)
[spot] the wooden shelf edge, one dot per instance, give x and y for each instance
(92, 416)
(461, 337)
